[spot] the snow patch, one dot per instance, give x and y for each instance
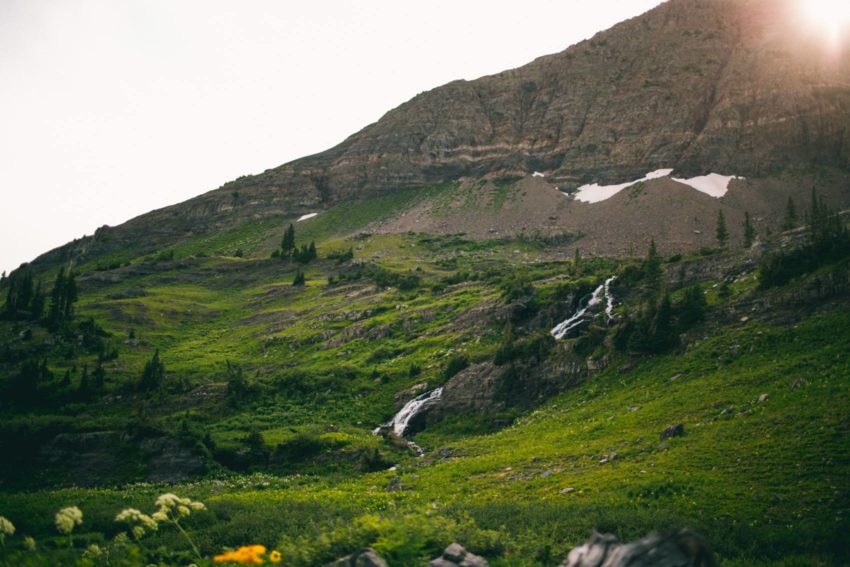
(307, 216)
(537, 174)
(713, 184)
(595, 193)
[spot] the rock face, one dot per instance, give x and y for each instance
(732, 86)
(680, 548)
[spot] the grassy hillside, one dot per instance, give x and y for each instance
(271, 392)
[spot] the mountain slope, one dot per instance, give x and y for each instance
(732, 86)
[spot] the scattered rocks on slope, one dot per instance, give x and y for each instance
(681, 548)
(673, 431)
(456, 556)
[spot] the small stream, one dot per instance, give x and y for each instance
(603, 292)
(398, 424)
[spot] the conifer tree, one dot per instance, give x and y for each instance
(300, 279)
(153, 373)
(98, 377)
(790, 220)
(37, 305)
(577, 263)
(312, 254)
(749, 231)
(722, 233)
(652, 268)
(287, 244)
(84, 389)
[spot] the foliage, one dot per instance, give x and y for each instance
(153, 374)
(721, 233)
(827, 242)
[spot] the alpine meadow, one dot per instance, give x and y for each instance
(591, 311)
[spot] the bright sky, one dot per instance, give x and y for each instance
(112, 108)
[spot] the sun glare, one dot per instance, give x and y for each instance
(831, 16)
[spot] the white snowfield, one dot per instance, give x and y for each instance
(537, 174)
(713, 184)
(307, 216)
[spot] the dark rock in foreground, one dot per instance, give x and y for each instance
(681, 548)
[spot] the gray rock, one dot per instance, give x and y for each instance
(472, 560)
(454, 552)
(440, 562)
(673, 431)
(680, 548)
(365, 558)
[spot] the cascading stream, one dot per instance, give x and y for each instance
(411, 409)
(603, 291)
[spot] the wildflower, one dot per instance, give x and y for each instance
(275, 556)
(29, 543)
(246, 555)
(66, 520)
(142, 521)
(93, 550)
(171, 509)
(6, 528)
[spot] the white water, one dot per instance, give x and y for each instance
(400, 421)
(561, 331)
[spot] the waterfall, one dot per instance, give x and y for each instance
(400, 421)
(563, 329)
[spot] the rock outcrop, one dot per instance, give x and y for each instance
(680, 548)
(732, 86)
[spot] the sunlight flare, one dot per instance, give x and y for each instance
(831, 16)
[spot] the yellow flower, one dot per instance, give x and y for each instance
(274, 556)
(246, 555)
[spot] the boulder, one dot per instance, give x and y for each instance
(455, 555)
(673, 431)
(367, 557)
(679, 548)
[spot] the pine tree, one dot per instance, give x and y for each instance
(790, 220)
(652, 268)
(57, 296)
(71, 295)
(98, 377)
(312, 254)
(300, 279)
(84, 389)
(722, 233)
(37, 305)
(153, 373)
(577, 263)
(287, 244)
(749, 231)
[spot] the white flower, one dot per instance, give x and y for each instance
(6, 527)
(29, 544)
(67, 518)
(184, 510)
(143, 521)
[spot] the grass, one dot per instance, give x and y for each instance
(764, 481)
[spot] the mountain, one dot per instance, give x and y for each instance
(505, 316)
(736, 87)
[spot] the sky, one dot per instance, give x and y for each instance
(112, 108)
